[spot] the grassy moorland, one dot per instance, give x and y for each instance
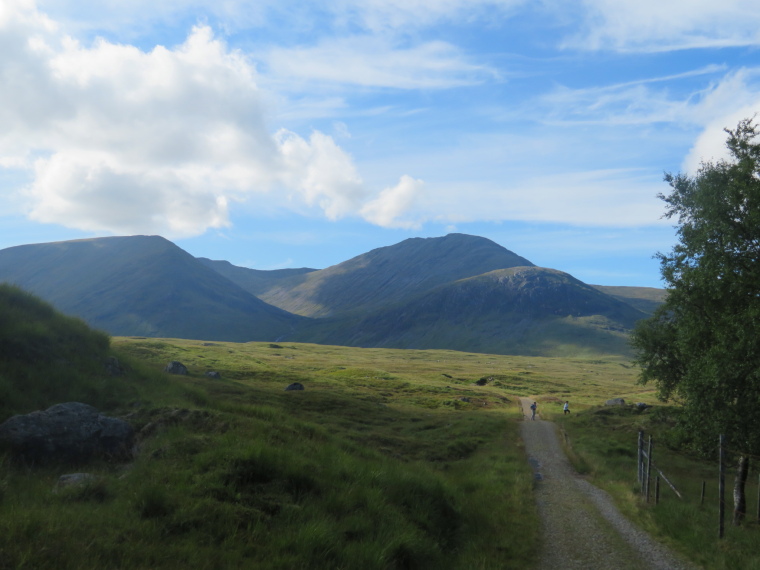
(387, 459)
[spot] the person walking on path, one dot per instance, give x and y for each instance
(533, 408)
(566, 407)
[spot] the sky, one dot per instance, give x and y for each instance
(301, 133)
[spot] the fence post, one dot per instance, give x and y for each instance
(640, 463)
(702, 496)
(721, 485)
(649, 467)
(758, 498)
(657, 490)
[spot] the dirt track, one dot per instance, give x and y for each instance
(581, 527)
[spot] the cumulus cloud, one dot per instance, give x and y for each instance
(124, 140)
(394, 205)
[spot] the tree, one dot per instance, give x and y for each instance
(702, 346)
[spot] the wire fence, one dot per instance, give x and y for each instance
(648, 472)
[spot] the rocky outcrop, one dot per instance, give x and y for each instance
(66, 433)
(615, 402)
(295, 386)
(214, 374)
(176, 367)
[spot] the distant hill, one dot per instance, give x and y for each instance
(522, 310)
(456, 292)
(645, 299)
(388, 275)
(142, 285)
(255, 281)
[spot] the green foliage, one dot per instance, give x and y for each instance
(701, 346)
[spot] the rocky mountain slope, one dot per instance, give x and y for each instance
(522, 310)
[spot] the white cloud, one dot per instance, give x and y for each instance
(375, 62)
(163, 141)
(393, 207)
(322, 173)
(656, 25)
(603, 198)
(735, 98)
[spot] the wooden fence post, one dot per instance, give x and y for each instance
(657, 490)
(649, 467)
(758, 498)
(721, 485)
(640, 463)
(702, 496)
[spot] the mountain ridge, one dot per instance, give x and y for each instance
(454, 292)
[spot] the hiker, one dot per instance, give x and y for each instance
(566, 407)
(533, 408)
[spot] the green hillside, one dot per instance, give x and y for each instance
(523, 310)
(388, 275)
(646, 299)
(366, 468)
(141, 285)
(46, 357)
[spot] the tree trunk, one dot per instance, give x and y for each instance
(740, 482)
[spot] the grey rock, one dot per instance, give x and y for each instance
(114, 367)
(214, 374)
(295, 386)
(176, 367)
(74, 480)
(66, 433)
(615, 402)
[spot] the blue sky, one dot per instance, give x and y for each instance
(279, 133)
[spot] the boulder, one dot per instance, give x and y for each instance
(214, 374)
(66, 433)
(114, 367)
(615, 402)
(74, 480)
(295, 386)
(176, 367)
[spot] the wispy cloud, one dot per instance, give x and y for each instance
(375, 62)
(657, 26)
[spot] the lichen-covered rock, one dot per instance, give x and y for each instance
(615, 402)
(176, 367)
(66, 433)
(214, 374)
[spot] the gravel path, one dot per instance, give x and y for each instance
(581, 526)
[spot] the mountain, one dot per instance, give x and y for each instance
(388, 275)
(255, 281)
(142, 285)
(646, 299)
(456, 292)
(521, 310)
